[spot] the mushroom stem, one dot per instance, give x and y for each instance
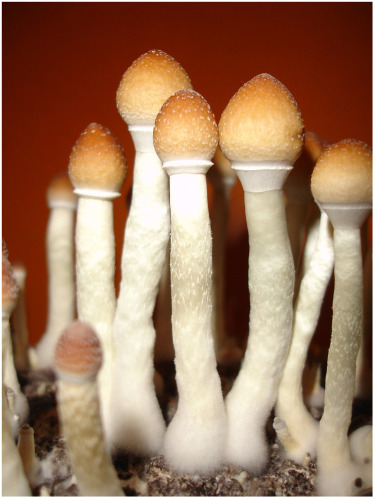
(61, 287)
(271, 284)
(195, 438)
(137, 423)
(26, 448)
(290, 406)
(19, 322)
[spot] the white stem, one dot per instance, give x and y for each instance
(137, 423)
(333, 452)
(61, 286)
(296, 214)
(195, 438)
(14, 482)
(290, 406)
(271, 284)
(95, 269)
(79, 411)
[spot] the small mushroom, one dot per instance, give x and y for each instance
(30, 462)
(342, 185)
(62, 203)
(185, 138)
(18, 320)
(97, 169)
(137, 424)
(261, 133)
(78, 357)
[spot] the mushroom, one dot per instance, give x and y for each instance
(261, 133)
(78, 357)
(18, 320)
(26, 449)
(222, 178)
(97, 169)
(185, 138)
(9, 300)
(137, 424)
(62, 203)
(342, 185)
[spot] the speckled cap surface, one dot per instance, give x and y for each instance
(343, 174)
(262, 122)
(78, 353)
(185, 128)
(147, 84)
(97, 160)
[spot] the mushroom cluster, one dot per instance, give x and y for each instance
(304, 207)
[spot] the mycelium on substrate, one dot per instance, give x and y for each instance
(261, 133)
(97, 169)
(137, 424)
(20, 407)
(342, 185)
(296, 428)
(62, 203)
(78, 358)
(185, 138)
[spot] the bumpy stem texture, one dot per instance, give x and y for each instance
(79, 410)
(195, 438)
(271, 283)
(136, 420)
(96, 299)
(290, 406)
(61, 287)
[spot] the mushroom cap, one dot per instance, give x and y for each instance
(343, 174)
(223, 164)
(78, 353)
(97, 160)
(147, 84)
(9, 289)
(185, 128)
(61, 189)
(297, 185)
(262, 122)
(5, 249)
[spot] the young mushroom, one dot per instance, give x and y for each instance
(62, 203)
(185, 138)
(342, 185)
(78, 357)
(261, 133)
(18, 321)
(97, 169)
(10, 379)
(137, 424)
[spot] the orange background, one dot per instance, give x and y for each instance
(62, 64)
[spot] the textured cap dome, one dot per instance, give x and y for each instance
(185, 128)
(97, 160)
(147, 84)
(262, 122)
(9, 289)
(61, 189)
(78, 353)
(343, 174)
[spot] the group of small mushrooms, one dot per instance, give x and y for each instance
(104, 357)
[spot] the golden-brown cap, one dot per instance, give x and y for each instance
(97, 160)
(78, 353)
(222, 164)
(297, 185)
(343, 173)
(147, 84)
(61, 189)
(185, 128)
(9, 288)
(262, 122)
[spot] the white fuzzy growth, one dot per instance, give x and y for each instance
(95, 270)
(21, 406)
(137, 424)
(290, 406)
(271, 283)
(79, 412)
(360, 444)
(61, 287)
(195, 438)
(332, 445)
(343, 480)
(14, 482)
